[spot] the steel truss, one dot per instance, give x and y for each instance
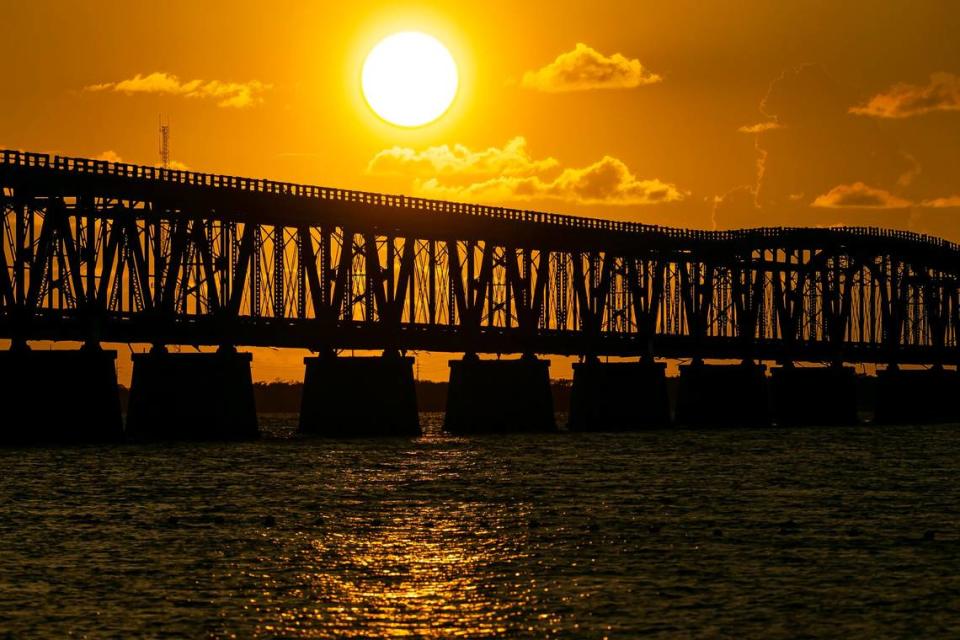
(102, 251)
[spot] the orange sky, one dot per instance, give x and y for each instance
(702, 114)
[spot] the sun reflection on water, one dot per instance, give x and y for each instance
(382, 567)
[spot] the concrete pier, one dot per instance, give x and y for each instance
(723, 395)
(917, 396)
(192, 396)
(359, 397)
(499, 396)
(619, 396)
(62, 396)
(814, 395)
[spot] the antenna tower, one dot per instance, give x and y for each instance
(164, 142)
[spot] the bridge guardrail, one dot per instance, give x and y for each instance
(260, 185)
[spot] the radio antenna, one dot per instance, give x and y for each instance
(164, 142)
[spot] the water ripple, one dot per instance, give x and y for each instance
(773, 533)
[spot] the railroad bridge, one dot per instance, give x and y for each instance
(96, 251)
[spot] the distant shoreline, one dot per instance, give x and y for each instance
(284, 396)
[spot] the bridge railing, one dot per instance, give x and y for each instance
(218, 181)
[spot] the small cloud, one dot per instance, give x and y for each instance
(176, 165)
(942, 203)
(904, 100)
(512, 159)
(760, 127)
(585, 68)
(110, 156)
(237, 95)
(736, 209)
(607, 181)
(907, 177)
(859, 194)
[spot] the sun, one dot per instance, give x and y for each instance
(409, 79)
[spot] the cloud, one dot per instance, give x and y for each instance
(942, 203)
(512, 159)
(760, 127)
(511, 174)
(907, 177)
(585, 68)
(607, 181)
(110, 156)
(823, 167)
(904, 100)
(736, 209)
(859, 195)
(819, 146)
(237, 95)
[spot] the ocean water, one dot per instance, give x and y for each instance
(736, 533)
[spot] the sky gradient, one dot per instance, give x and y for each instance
(692, 114)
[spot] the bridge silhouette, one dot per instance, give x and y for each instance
(99, 251)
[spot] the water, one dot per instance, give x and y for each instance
(763, 533)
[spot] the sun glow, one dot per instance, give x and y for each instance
(409, 79)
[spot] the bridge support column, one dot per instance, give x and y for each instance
(192, 396)
(727, 395)
(814, 395)
(917, 396)
(499, 396)
(619, 396)
(62, 396)
(359, 397)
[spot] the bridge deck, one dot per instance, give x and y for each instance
(40, 166)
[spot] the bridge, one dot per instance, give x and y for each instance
(96, 251)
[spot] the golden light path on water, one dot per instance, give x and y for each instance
(414, 569)
(425, 585)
